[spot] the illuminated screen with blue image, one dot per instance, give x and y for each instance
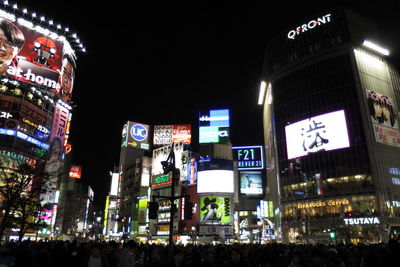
(251, 183)
(214, 126)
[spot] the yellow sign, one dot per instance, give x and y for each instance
(316, 204)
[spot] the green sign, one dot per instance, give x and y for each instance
(215, 210)
(162, 180)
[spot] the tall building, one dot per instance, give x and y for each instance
(330, 97)
(37, 71)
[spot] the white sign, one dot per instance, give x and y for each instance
(357, 221)
(215, 181)
(215, 230)
(321, 133)
(309, 26)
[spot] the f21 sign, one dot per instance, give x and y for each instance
(320, 133)
(249, 157)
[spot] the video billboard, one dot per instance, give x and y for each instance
(214, 126)
(161, 154)
(136, 135)
(320, 133)
(215, 210)
(215, 181)
(34, 54)
(168, 134)
(249, 157)
(251, 183)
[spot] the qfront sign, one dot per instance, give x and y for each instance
(309, 26)
(361, 221)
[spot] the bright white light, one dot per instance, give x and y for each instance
(376, 47)
(51, 22)
(67, 29)
(261, 94)
(215, 181)
(58, 26)
(324, 132)
(5, 2)
(34, 15)
(42, 18)
(25, 11)
(15, 6)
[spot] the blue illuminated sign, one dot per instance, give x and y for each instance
(24, 137)
(138, 132)
(249, 157)
(214, 126)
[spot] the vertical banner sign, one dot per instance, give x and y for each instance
(384, 118)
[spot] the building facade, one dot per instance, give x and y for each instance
(332, 134)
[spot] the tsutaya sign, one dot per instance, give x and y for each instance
(309, 26)
(366, 220)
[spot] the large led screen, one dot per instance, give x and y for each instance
(320, 133)
(214, 126)
(251, 183)
(215, 181)
(34, 54)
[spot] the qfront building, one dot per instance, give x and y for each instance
(330, 99)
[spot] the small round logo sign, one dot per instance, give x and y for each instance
(138, 132)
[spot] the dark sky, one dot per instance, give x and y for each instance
(161, 65)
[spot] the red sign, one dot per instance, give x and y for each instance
(75, 172)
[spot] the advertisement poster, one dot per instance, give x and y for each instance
(384, 119)
(215, 210)
(136, 135)
(168, 134)
(75, 172)
(251, 183)
(36, 55)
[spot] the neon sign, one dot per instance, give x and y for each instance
(309, 26)
(356, 221)
(249, 157)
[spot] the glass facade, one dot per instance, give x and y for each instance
(323, 70)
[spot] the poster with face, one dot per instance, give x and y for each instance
(34, 54)
(384, 118)
(215, 210)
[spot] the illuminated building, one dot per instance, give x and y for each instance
(36, 80)
(331, 99)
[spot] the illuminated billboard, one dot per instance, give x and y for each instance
(215, 181)
(215, 210)
(251, 183)
(161, 154)
(168, 134)
(249, 157)
(385, 122)
(114, 184)
(35, 54)
(214, 126)
(320, 133)
(135, 135)
(75, 172)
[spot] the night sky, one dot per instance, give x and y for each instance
(161, 65)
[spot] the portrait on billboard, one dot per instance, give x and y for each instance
(12, 40)
(384, 118)
(215, 210)
(67, 76)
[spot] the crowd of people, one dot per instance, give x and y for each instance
(130, 253)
